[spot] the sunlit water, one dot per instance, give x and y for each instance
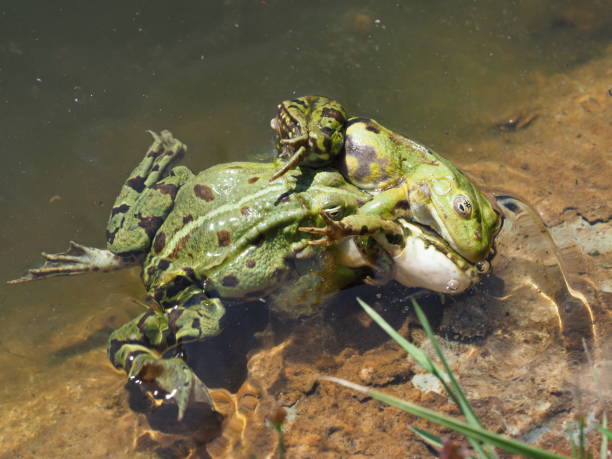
(80, 84)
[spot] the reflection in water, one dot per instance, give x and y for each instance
(528, 256)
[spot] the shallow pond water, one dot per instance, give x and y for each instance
(80, 84)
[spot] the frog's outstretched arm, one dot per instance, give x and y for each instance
(138, 347)
(356, 225)
(386, 239)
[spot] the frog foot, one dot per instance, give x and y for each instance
(169, 380)
(78, 259)
(332, 232)
(293, 161)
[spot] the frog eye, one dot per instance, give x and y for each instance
(462, 206)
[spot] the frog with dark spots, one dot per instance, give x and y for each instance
(219, 239)
(310, 132)
(406, 180)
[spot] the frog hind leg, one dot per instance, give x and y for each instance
(144, 201)
(78, 259)
(138, 348)
(146, 197)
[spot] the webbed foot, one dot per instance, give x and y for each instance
(78, 259)
(169, 380)
(332, 232)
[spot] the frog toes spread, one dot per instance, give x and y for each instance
(78, 259)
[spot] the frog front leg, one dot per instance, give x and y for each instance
(356, 225)
(138, 348)
(390, 204)
(378, 240)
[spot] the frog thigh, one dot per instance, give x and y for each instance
(131, 228)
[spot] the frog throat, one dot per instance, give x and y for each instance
(429, 262)
(424, 261)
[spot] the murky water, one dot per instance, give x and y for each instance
(80, 84)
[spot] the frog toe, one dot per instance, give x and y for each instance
(171, 380)
(293, 162)
(166, 149)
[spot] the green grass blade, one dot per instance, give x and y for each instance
(454, 390)
(417, 354)
(476, 433)
(462, 400)
(605, 436)
(570, 434)
(428, 437)
(410, 348)
(422, 359)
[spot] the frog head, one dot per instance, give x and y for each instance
(313, 122)
(401, 171)
(444, 199)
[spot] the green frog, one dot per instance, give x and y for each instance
(228, 234)
(406, 179)
(309, 132)
(410, 180)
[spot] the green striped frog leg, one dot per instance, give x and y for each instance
(146, 198)
(139, 345)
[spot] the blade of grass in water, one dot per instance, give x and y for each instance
(453, 390)
(477, 433)
(463, 402)
(605, 436)
(430, 438)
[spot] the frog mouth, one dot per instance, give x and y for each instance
(428, 261)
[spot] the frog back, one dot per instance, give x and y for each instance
(234, 231)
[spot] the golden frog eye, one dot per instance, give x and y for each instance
(462, 206)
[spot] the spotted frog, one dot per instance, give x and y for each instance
(228, 234)
(309, 132)
(406, 180)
